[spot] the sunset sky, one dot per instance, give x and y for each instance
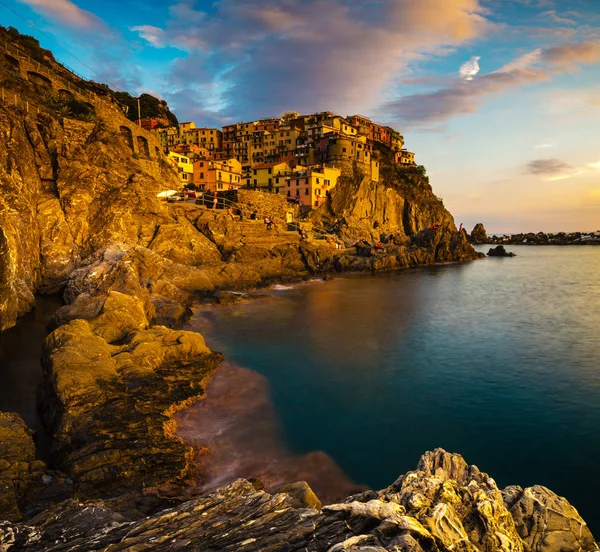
(499, 99)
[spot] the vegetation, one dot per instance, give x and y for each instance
(149, 107)
(27, 43)
(70, 108)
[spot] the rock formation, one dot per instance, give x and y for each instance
(478, 235)
(444, 505)
(499, 251)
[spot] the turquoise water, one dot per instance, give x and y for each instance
(498, 360)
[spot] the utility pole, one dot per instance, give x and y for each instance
(139, 114)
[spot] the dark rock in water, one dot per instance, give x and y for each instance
(499, 251)
(445, 505)
(478, 235)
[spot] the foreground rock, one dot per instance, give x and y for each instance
(444, 505)
(108, 406)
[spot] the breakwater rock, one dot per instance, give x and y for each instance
(543, 238)
(444, 505)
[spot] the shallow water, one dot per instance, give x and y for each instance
(20, 360)
(496, 359)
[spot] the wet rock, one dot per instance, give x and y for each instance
(499, 251)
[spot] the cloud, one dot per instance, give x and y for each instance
(573, 54)
(470, 68)
(522, 62)
(153, 35)
(460, 97)
(594, 165)
(542, 146)
(67, 13)
(267, 56)
(553, 16)
(547, 166)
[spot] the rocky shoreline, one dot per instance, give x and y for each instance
(79, 214)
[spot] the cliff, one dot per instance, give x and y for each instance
(79, 215)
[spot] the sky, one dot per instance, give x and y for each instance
(499, 99)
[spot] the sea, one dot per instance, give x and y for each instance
(346, 383)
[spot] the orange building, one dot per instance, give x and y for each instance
(311, 186)
(216, 176)
(150, 123)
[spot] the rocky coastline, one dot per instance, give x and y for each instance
(79, 216)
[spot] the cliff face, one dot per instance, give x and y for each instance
(68, 188)
(402, 201)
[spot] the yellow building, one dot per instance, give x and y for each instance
(184, 166)
(184, 127)
(211, 175)
(310, 186)
(405, 157)
(269, 176)
(208, 138)
(168, 137)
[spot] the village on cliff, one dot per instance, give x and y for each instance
(298, 156)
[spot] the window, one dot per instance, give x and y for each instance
(289, 182)
(270, 171)
(297, 182)
(277, 180)
(201, 163)
(318, 181)
(219, 186)
(306, 191)
(201, 175)
(255, 181)
(297, 193)
(327, 182)
(220, 176)
(185, 176)
(229, 177)
(289, 193)
(255, 174)
(344, 150)
(270, 181)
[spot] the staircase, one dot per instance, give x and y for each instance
(254, 232)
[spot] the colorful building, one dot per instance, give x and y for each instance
(310, 186)
(269, 177)
(208, 138)
(184, 167)
(215, 176)
(150, 123)
(405, 157)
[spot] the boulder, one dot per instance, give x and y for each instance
(499, 251)
(301, 494)
(547, 522)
